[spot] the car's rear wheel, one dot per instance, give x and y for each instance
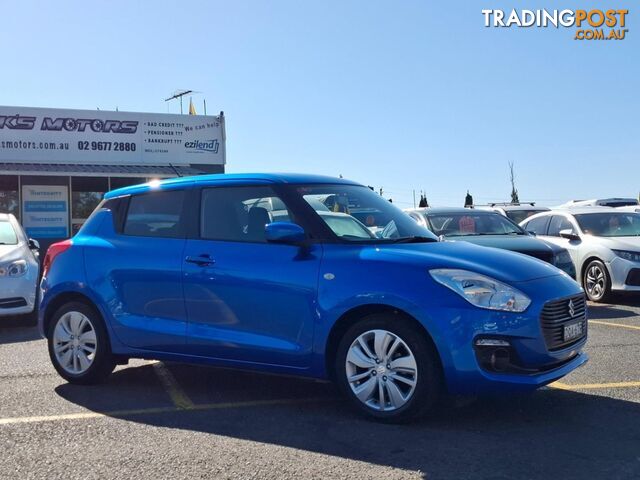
(596, 281)
(388, 368)
(79, 345)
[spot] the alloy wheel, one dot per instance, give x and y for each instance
(74, 342)
(381, 370)
(596, 282)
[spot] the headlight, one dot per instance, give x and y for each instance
(562, 258)
(631, 256)
(482, 291)
(14, 269)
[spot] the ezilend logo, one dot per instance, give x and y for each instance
(210, 146)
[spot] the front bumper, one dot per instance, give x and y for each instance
(17, 294)
(536, 365)
(619, 269)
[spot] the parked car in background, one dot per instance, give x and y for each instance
(629, 208)
(490, 229)
(604, 244)
(600, 202)
(516, 212)
(19, 269)
(395, 320)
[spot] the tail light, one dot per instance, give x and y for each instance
(54, 250)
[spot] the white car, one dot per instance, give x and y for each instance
(604, 244)
(19, 268)
(600, 202)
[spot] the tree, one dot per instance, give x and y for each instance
(514, 190)
(423, 201)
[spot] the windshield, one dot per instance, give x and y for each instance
(356, 213)
(610, 224)
(7, 234)
(519, 215)
(465, 224)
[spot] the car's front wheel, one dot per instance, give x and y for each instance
(78, 344)
(388, 369)
(596, 281)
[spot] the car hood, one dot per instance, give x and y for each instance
(620, 243)
(9, 251)
(502, 265)
(515, 243)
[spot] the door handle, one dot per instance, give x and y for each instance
(203, 260)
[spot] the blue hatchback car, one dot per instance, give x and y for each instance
(304, 275)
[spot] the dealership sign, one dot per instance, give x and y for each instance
(45, 211)
(42, 135)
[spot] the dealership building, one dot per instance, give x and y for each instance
(56, 164)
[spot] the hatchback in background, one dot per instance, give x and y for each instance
(516, 212)
(284, 273)
(603, 242)
(491, 229)
(19, 269)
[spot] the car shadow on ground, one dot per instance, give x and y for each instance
(13, 332)
(548, 434)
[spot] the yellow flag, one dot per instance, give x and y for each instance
(192, 108)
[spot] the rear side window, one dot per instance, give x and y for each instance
(557, 224)
(7, 234)
(537, 225)
(156, 214)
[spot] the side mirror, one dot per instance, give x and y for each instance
(284, 232)
(569, 235)
(33, 244)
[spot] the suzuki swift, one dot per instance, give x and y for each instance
(304, 275)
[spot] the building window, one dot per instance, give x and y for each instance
(86, 194)
(9, 197)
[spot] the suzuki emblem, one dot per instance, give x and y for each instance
(572, 310)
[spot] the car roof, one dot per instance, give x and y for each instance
(574, 211)
(231, 178)
(523, 207)
(4, 217)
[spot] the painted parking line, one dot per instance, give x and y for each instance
(593, 386)
(178, 396)
(611, 324)
(150, 411)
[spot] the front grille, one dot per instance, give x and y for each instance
(556, 314)
(633, 279)
(544, 256)
(12, 302)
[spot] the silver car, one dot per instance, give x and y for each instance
(19, 268)
(604, 244)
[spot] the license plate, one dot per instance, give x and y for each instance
(572, 331)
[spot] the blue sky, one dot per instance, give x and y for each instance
(401, 95)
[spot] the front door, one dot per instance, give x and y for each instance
(248, 300)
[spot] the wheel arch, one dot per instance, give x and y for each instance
(61, 299)
(586, 262)
(350, 317)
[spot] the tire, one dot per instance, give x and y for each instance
(79, 345)
(403, 342)
(596, 281)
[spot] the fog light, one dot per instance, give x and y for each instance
(491, 342)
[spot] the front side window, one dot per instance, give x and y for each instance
(610, 224)
(465, 224)
(156, 214)
(240, 214)
(356, 213)
(7, 234)
(557, 224)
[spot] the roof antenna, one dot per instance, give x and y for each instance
(175, 170)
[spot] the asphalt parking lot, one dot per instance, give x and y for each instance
(155, 420)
